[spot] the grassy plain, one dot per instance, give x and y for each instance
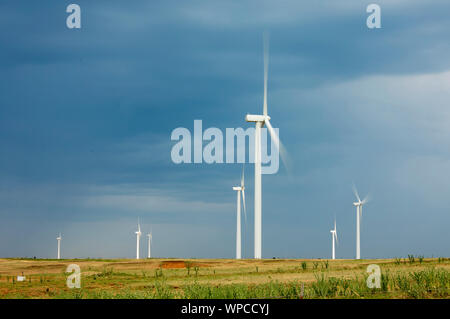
(412, 277)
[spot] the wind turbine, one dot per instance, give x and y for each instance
(333, 237)
(59, 245)
(240, 190)
(149, 244)
(138, 237)
(260, 120)
(359, 205)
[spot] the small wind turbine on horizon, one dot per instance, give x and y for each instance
(359, 205)
(333, 238)
(149, 244)
(260, 120)
(138, 237)
(240, 190)
(59, 245)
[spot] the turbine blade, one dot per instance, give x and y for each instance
(243, 204)
(366, 199)
(355, 191)
(283, 153)
(335, 230)
(242, 177)
(266, 69)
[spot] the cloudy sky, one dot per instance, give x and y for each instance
(86, 118)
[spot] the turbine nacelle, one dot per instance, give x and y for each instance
(257, 118)
(359, 201)
(238, 188)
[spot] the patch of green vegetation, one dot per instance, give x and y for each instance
(304, 265)
(421, 284)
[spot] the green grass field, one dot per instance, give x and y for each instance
(412, 277)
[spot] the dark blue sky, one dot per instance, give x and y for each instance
(86, 117)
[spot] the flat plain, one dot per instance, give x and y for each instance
(411, 277)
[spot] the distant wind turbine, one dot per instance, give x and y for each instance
(260, 120)
(333, 237)
(240, 190)
(138, 237)
(59, 245)
(149, 255)
(359, 205)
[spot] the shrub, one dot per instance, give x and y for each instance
(304, 265)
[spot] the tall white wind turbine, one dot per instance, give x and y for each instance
(359, 205)
(59, 245)
(260, 120)
(240, 191)
(149, 255)
(333, 238)
(138, 237)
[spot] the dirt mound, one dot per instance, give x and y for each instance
(173, 264)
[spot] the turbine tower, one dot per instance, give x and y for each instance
(260, 120)
(359, 205)
(333, 237)
(138, 237)
(149, 244)
(59, 245)
(240, 190)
